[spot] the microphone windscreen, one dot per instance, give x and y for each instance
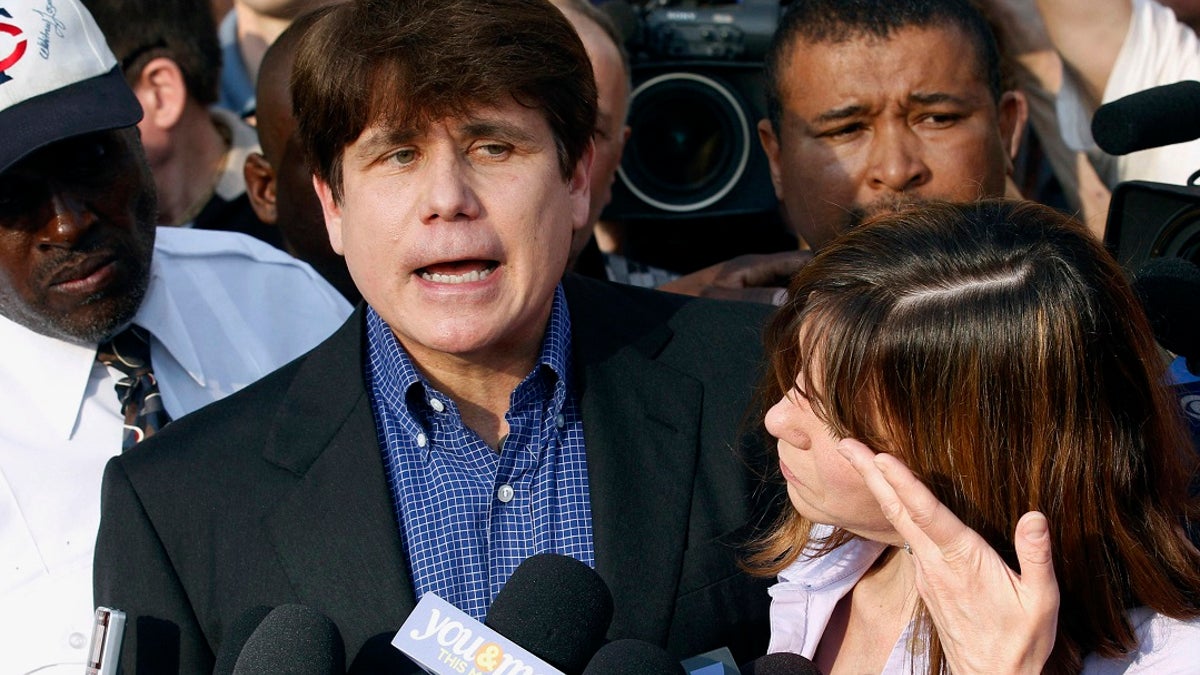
(1168, 288)
(1158, 116)
(556, 607)
(633, 657)
(233, 640)
(293, 639)
(780, 663)
(378, 656)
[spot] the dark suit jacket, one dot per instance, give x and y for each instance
(277, 494)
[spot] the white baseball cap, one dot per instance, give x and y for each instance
(58, 78)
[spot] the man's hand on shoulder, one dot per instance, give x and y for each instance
(754, 277)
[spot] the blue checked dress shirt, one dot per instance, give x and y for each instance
(468, 514)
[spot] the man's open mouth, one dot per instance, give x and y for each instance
(458, 272)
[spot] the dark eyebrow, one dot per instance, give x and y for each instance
(937, 97)
(498, 130)
(378, 140)
(839, 114)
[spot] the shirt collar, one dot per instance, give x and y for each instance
(394, 377)
(51, 374)
(163, 315)
(61, 369)
(846, 564)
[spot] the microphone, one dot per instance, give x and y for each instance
(293, 639)
(780, 663)
(233, 640)
(550, 617)
(633, 657)
(557, 607)
(1152, 118)
(444, 640)
(1168, 288)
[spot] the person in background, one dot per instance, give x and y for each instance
(1113, 48)
(109, 329)
(278, 181)
(865, 114)
(610, 65)
(1024, 511)
(245, 33)
(480, 406)
(1047, 170)
(169, 54)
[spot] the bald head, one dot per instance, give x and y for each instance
(610, 66)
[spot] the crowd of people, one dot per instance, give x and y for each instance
(320, 307)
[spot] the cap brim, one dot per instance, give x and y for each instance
(96, 104)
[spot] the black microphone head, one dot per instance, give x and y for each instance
(780, 663)
(295, 640)
(233, 640)
(378, 656)
(556, 607)
(1168, 288)
(633, 657)
(1158, 116)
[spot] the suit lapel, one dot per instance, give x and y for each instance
(335, 531)
(641, 431)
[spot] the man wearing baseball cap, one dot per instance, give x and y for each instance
(107, 331)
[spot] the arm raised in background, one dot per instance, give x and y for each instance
(1037, 71)
(1088, 36)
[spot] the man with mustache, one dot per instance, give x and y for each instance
(873, 103)
(81, 266)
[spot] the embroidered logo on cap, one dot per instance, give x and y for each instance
(18, 50)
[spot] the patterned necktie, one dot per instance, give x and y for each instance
(129, 352)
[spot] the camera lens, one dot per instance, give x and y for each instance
(1180, 237)
(690, 145)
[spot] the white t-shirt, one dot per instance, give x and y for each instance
(1158, 50)
(224, 310)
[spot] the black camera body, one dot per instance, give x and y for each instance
(723, 32)
(1153, 220)
(698, 94)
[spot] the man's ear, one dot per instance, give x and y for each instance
(1013, 117)
(333, 214)
(770, 144)
(161, 89)
(580, 186)
(260, 187)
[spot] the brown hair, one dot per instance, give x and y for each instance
(138, 31)
(407, 63)
(998, 351)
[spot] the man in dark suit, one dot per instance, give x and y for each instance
(479, 408)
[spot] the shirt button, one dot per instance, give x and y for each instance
(437, 405)
(421, 440)
(76, 640)
(560, 420)
(505, 493)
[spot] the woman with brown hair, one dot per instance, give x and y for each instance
(1024, 511)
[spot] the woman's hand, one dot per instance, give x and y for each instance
(990, 619)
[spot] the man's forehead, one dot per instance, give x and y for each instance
(827, 66)
(801, 50)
